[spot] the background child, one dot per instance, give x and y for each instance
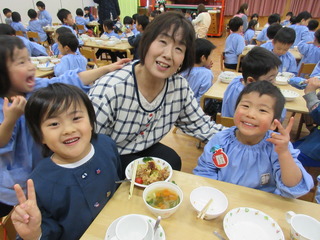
(200, 77)
(262, 36)
(71, 60)
(250, 153)
(18, 152)
(87, 14)
(300, 27)
(130, 29)
(202, 22)
(7, 13)
(259, 64)
(286, 22)
(43, 13)
(62, 119)
(234, 43)
(249, 33)
(255, 16)
(142, 22)
(281, 44)
(271, 33)
(80, 20)
(36, 25)
(312, 26)
(55, 47)
(16, 23)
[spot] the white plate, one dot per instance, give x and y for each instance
(227, 76)
(160, 162)
(251, 224)
(111, 232)
(289, 95)
(281, 80)
(286, 74)
(46, 67)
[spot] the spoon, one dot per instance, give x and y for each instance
(124, 180)
(218, 235)
(156, 225)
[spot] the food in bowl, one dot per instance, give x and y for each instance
(226, 76)
(162, 198)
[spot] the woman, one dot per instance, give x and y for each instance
(242, 13)
(202, 22)
(139, 104)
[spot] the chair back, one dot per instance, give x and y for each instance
(34, 35)
(7, 230)
(223, 68)
(19, 33)
(80, 27)
(225, 121)
(306, 69)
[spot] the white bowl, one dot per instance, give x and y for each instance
(200, 196)
(289, 95)
(160, 164)
(226, 76)
(249, 224)
(281, 80)
(104, 37)
(286, 74)
(164, 213)
(35, 63)
(249, 47)
(124, 39)
(43, 59)
(46, 67)
(99, 41)
(109, 43)
(55, 60)
(132, 227)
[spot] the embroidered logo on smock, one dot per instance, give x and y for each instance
(219, 157)
(265, 178)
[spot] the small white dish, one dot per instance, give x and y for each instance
(55, 60)
(281, 80)
(109, 43)
(99, 41)
(43, 59)
(246, 223)
(159, 234)
(226, 76)
(289, 95)
(286, 74)
(124, 39)
(45, 66)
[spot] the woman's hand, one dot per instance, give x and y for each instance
(312, 85)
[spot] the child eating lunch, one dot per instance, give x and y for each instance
(250, 153)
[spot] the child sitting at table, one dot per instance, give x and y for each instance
(77, 177)
(87, 14)
(68, 45)
(234, 43)
(259, 64)
(130, 29)
(80, 20)
(16, 23)
(250, 153)
(249, 33)
(7, 13)
(55, 47)
(312, 26)
(200, 76)
(286, 21)
(271, 32)
(262, 36)
(281, 44)
(255, 17)
(36, 25)
(300, 27)
(43, 13)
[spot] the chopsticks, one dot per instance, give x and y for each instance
(133, 177)
(202, 213)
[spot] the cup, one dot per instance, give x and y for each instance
(303, 227)
(132, 227)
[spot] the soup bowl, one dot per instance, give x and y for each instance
(162, 198)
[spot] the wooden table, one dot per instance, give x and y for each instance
(183, 224)
(121, 47)
(217, 90)
(42, 74)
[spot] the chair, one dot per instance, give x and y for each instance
(92, 59)
(7, 230)
(36, 37)
(240, 57)
(81, 28)
(225, 121)
(19, 33)
(223, 68)
(306, 69)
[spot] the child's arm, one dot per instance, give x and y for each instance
(26, 216)
(290, 173)
(88, 77)
(10, 115)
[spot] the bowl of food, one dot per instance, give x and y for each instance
(55, 60)
(45, 66)
(200, 196)
(124, 39)
(162, 198)
(109, 43)
(35, 62)
(104, 37)
(249, 47)
(226, 76)
(289, 95)
(149, 170)
(43, 59)
(281, 80)
(98, 41)
(286, 74)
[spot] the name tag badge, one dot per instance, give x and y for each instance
(219, 158)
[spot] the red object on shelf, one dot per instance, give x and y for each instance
(143, 3)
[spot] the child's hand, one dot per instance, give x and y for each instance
(26, 216)
(15, 110)
(281, 140)
(313, 85)
(117, 65)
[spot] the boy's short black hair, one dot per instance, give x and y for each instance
(155, 13)
(255, 15)
(293, 20)
(235, 23)
(203, 48)
(6, 29)
(258, 62)
(32, 13)
(285, 35)
(274, 18)
(41, 4)
(134, 17)
(86, 9)
(127, 20)
(313, 24)
(51, 100)
(16, 17)
(62, 30)
(317, 35)
(109, 24)
(79, 12)
(142, 20)
(266, 88)
(252, 24)
(305, 15)
(6, 10)
(164, 23)
(63, 14)
(289, 14)
(273, 29)
(70, 40)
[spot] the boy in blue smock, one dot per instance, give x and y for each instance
(200, 77)
(88, 14)
(316, 71)
(281, 44)
(271, 32)
(262, 36)
(68, 45)
(130, 27)
(300, 27)
(249, 33)
(286, 22)
(7, 13)
(80, 20)
(251, 154)
(310, 51)
(234, 43)
(16, 23)
(259, 64)
(36, 25)
(77, 177)
(43, 13)
(312, 26)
